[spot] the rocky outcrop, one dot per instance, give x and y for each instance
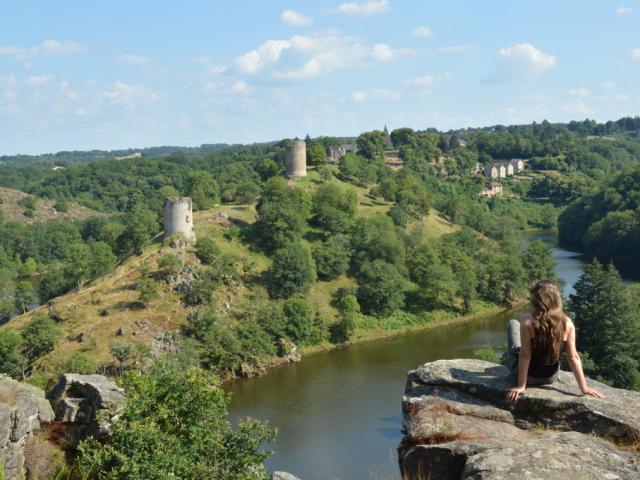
(87, 404)
(23, 412)
(283, 476)
(459, 426)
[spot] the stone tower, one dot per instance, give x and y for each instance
(296, 159)
(178, 218)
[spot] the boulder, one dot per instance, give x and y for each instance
(24, 410)
(458, 425)
(90, 402)
(283, 476)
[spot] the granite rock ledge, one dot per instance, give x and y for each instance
(457, 425)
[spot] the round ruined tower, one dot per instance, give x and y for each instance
(178, 218)
(296, 159)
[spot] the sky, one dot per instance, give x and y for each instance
(78, 75)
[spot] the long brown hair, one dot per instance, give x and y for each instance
(548, 319)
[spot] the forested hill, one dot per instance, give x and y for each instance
(65, 158)
(606, 222)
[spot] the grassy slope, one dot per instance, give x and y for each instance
(11, 211)
(81, 311)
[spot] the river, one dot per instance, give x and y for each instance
(338, 412)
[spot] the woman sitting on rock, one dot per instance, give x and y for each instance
(535, 346)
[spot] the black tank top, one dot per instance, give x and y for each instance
(537, 366)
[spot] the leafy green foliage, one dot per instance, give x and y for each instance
(607, 325)
(39, 337)
(293, 271)
(24, 296)
(334, 208)
(203, 189)
(207, 250)
(12, 361)
(538, 261)
(332, 257)
(175, 426)
(381, 288)
(141, 224)
(282, 213)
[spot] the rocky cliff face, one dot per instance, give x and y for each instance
(458, 426)
(23, 410)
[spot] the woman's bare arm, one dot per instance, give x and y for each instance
(576, 364)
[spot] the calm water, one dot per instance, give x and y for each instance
(338, 413)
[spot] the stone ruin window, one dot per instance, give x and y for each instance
(188, 218)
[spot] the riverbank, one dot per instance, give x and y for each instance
(389, 327)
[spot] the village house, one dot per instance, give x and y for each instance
(494, 190)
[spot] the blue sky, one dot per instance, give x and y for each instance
(83, 75)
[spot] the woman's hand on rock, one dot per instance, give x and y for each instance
(514, 393)
(593, 392)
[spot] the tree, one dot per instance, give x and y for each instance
(247, 192)
(316, 154)
(381, 288)
(147, 289)
(334, 208)
(39, 337)
(12, 362)
(403, 136)
(349, 309)
(300, 326)
(371, 144)
(267, 168)
(332, 257)
(175, 425)
(203, 189)
(141, 224)
(293, 271)
(436, 280)
(282, 213)
(24, 296)
(376, 238)
(607, 326)
(538, 261)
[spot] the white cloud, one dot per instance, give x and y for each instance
(216, 69)
(48, 47)
(521, 62)
(457, 48)
(422, 31)
(266, 53)
(54, 47)
(292, 18)
(427, 81)
(580, 92)
(130, 96)
(624, 10)
(240, 88)
(382, 52)
(308, 56)
(609, 85)
(635, 54)
(374, 94)
(132, 58)
(37, 80)
(368, 7)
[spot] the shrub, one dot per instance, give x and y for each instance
(207, 251)
(12, 361)
(199, 322)
(61, 206)
(79, 362)
(39, 337)
(175, 426)
(332, 257)
(381, 288)
(201, 290)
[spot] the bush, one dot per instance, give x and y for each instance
(12, 362)
(199, 322)
(175, 426)
(207, 251)
(221, 349)
(61, 206)
(169, 264)
(147, 288)
(487, 354)
(79, 362)
(39, 337)
(300, 320)
(201, 290)
(127, 355)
